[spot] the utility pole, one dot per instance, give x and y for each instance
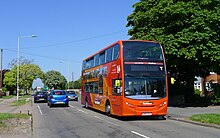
(1, 78)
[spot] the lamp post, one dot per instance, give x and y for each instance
(18, 62)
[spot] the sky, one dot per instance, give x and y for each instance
(67, 31)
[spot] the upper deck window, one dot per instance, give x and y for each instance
(109, 54)
(142, 51)
(116, 51)
(96, 59)
(102, 58)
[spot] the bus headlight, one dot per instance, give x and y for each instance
(130, 105)
(162, 104)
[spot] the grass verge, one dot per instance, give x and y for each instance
(207, 118)
(20, 102)
(5, 116)
(7, 97)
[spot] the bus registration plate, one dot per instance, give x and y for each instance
(146, 114)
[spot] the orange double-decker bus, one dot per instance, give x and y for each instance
(127, 78)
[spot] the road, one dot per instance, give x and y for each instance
(78, 122)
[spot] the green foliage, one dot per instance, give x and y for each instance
(215, 101)
(188, 30)
(8, 97)
(77, 84)
(197, 92)
(54, 79)
(4, 89)
(10, 79)
(28, 72)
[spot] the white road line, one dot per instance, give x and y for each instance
(94, 116)
(72, 106)
(136, 133)
(39, 110)
(78, 109)
(82, 111)
(105, 121)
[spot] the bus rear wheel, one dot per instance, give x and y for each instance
(86, 104)
(108, 108)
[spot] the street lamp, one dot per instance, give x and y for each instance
(18, 62)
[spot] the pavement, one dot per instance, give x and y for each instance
(5, 106)
(174, 113)
(183, 114)
(19, 128)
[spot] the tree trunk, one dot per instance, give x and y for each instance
(189, 93)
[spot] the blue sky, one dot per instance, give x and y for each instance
(68, 30)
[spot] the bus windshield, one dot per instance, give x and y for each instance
(144, 70)
(145, 87)
(142, 51)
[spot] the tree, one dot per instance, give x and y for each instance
(28, 72)
(14, 62)
(189, 31)
(54, 80)
(10, 79)
(76, 84)
(3, 74)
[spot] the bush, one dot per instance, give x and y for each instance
(216, 100)
(197, 92)
(4, 90)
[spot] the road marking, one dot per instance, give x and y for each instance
(136, 133)
(39, 110)
(94, 116)
(78, 109)
(105, 121)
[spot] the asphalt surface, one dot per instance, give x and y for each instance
(76, 121)
(174, 113)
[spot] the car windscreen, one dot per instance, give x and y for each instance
(59, 93)
(40, 93)
(71, 92)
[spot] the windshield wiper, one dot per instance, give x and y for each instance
(144, 75)
(129, 75)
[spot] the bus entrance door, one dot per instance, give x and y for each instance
(117, 97)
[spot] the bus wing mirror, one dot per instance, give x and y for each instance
(118, 83)
(172, 80)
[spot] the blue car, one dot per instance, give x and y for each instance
(72, 95)
(58, 97)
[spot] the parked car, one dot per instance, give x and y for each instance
(40, 96)
(72, 95)
(58, 97)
